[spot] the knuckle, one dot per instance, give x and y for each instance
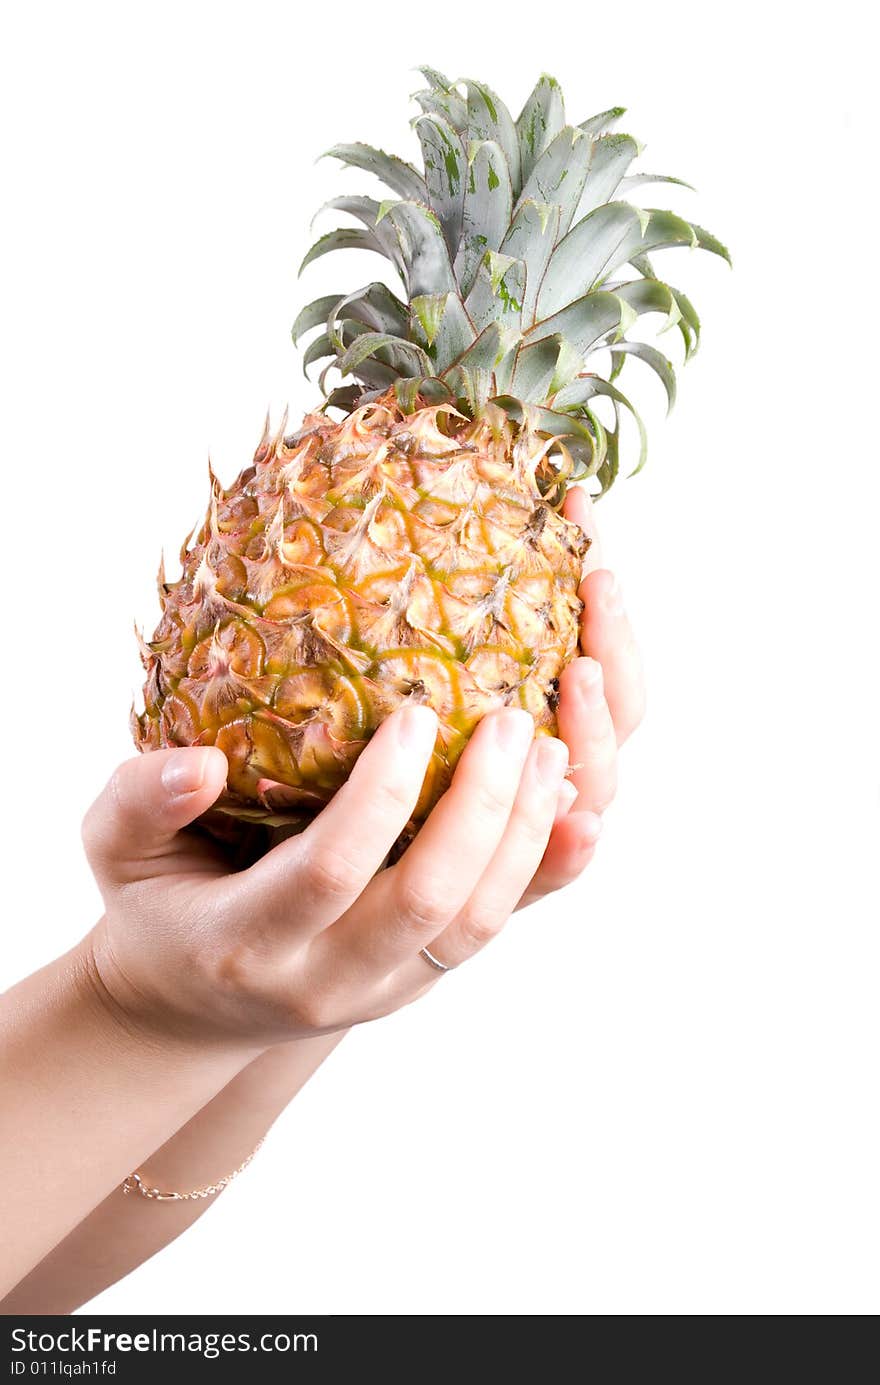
(491, 799)
(314, 1010)
(231, 969)
(332, 873)
(392, 794)
(534, 829)
(422, 904)
(246, 974)
(480, 924)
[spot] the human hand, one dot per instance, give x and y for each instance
(315, 936)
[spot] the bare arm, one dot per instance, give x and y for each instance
(125, 1230)
(84, 1098)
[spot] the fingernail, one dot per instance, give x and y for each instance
(566, 799)
(417, 727)
(551, 761)
(185, 771)
(514, 729)
(591, 686)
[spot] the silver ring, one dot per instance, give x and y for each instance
(433, 961)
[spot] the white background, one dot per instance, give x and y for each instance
(656, 1094)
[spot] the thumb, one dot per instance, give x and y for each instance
(147, 801)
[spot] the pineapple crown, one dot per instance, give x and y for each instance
(519, 257)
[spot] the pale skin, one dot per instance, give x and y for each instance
(203, 1000)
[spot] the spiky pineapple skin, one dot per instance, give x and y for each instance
(354, 567)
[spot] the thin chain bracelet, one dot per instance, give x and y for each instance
(135, 1184)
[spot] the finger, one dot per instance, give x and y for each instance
(147, 801)
(578, 508)
(586, 726)
(570, 849)
(414, 900)
(514, 863)
(606, 635)
(329, 865)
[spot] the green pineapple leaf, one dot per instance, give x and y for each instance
(497, 293)
(344, 238)
(689, 323)
(435, 79)
(637, 180)
(375, 306)
(587, 254)
(560, 174)
(423, 250)
(606, 239)
(608, 471)
(369, 344)
(587, 321)
(489, 118)
(314, 315)
(520, 257)
(610, 157)
(534, 369)
(442, 99)
(369, 212)
(659, 363)
(324, 347)
(706, 241)
(428, 311)
(486, 210)
(395, 173)
(445, 163)
(455, 334)
(649, 296)
(598, 124)
(580, 391)
(532, 235)
(539, 122)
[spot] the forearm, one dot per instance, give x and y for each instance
(125, 1230)
(84, 1099)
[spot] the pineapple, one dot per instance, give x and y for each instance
(415, 549)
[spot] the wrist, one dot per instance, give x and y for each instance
(126, 1015)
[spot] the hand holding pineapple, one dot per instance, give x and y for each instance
(316, 936)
